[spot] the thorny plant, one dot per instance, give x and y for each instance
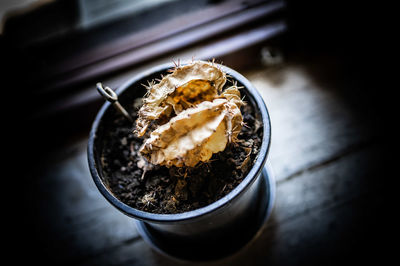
(186, 117)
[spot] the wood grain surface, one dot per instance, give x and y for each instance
(326, 158)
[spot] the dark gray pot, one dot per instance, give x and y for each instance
(211, 232)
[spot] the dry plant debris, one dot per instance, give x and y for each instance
(186, 118)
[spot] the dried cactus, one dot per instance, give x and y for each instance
(200, 120)
(172, 86)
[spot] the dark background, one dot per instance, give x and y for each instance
(348, 35)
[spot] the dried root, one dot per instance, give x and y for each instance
(201, 120)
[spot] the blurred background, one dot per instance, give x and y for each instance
(316, 64)
(57, 50)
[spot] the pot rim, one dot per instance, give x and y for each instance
(224, 201)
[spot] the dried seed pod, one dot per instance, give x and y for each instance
(204, 123)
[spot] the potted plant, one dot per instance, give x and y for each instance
(192, 168)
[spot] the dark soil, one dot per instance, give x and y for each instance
(176, 190)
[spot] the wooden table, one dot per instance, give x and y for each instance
(326, 159)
